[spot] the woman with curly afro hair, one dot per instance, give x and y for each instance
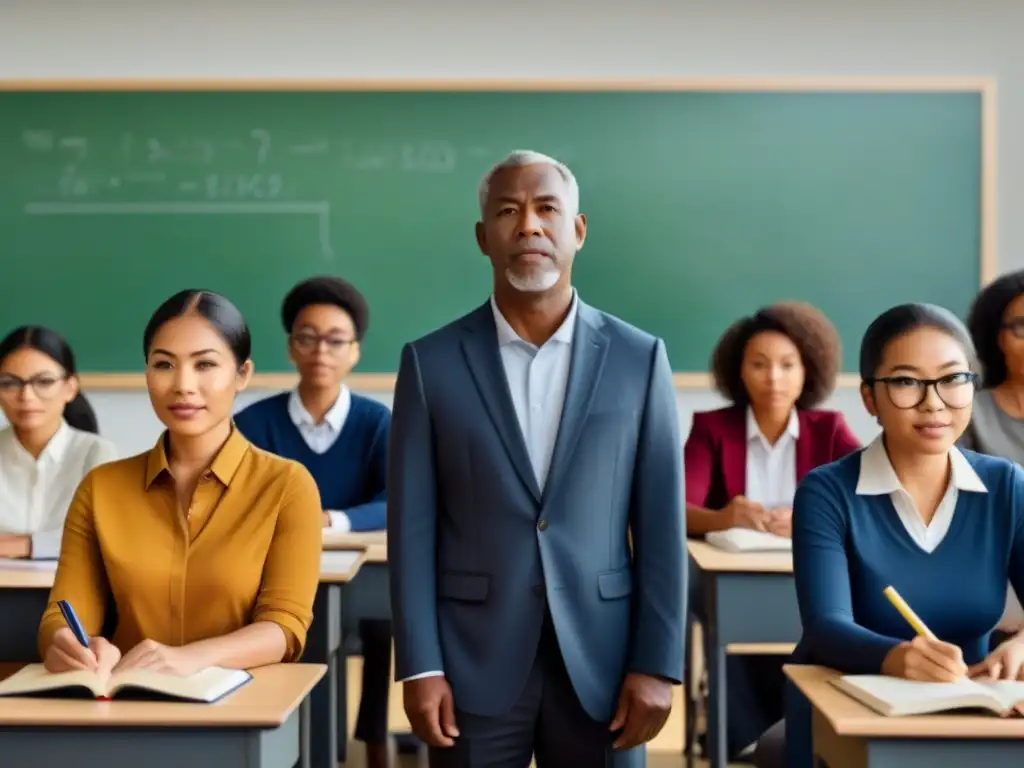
(743, 462)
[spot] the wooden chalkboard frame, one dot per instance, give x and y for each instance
(984, 86)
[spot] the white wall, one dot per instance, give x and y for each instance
(477, 38)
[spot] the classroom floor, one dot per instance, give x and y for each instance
(666, 751)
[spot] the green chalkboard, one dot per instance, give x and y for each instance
(701, 205)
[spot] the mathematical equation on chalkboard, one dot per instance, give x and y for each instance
(255, 166)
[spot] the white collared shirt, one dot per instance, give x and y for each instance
(878, 478)
(537, 379)
(320, 436)
(771, 469)
(35, 493)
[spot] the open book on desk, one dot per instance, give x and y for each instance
(895, 696)
(205, 686)
(748, 540)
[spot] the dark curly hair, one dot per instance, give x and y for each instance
(985, 321)
(806, 326)
(326, 289)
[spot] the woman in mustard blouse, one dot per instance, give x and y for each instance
(205, 551)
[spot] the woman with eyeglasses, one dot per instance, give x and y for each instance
(945, 527)
(49, 445)
(342, 439)
(996, 323)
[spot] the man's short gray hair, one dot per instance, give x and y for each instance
(522, 157)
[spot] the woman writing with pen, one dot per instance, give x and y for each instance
(943, 527)
(203, 551)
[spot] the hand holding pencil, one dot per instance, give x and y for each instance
(925, 657)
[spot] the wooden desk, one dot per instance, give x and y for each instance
(340, 567)
(258, 726)
(24, 590)
(745, 599)
(848, 734)
(360, 540)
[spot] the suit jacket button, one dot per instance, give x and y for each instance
(542, 525)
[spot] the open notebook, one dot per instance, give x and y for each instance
(748, 540)
(206, 686)
(894, 696)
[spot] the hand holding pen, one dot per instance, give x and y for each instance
(925, 657)
(72, 649)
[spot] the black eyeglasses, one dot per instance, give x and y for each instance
(956, 390)
(43, 384)
(308, 342)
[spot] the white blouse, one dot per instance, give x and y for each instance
(771, 469)
(35, 493)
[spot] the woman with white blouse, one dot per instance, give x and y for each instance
(49, 445)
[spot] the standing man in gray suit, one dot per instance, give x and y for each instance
(535, 520)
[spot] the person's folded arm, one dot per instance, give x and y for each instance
(81, 576)
(372, 515)
(822, 574)
(291, 574)
(698, 467)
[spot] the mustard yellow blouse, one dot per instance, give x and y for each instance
(248, 551)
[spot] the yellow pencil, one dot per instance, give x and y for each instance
(905, 611)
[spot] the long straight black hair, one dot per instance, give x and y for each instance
(77, 413)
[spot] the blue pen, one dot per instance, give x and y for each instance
(72, 621)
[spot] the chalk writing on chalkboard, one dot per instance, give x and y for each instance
(321, 210)
(258, 149)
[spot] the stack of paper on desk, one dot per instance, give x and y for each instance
(748, 540)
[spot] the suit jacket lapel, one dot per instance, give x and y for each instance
(734, 454)
(480, 347)
(589, 349)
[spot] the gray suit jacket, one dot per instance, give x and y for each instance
(475, 548)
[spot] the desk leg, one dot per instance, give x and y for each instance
(322, 647)
(342, 715)
(717, 718)
(305, 757)
(718, 742)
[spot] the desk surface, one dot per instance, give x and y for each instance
(335, 568)
(265, 702)
(334, 539)
(374, 543)
(848, 717)
(31, 574)
(338, 567)
(709, 558)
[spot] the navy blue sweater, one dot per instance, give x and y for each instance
(351, 474)
(847, 548)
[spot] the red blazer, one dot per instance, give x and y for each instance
(715, 456)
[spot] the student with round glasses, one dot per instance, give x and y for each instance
(49, 445)
(342, 439)
(913, 511)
